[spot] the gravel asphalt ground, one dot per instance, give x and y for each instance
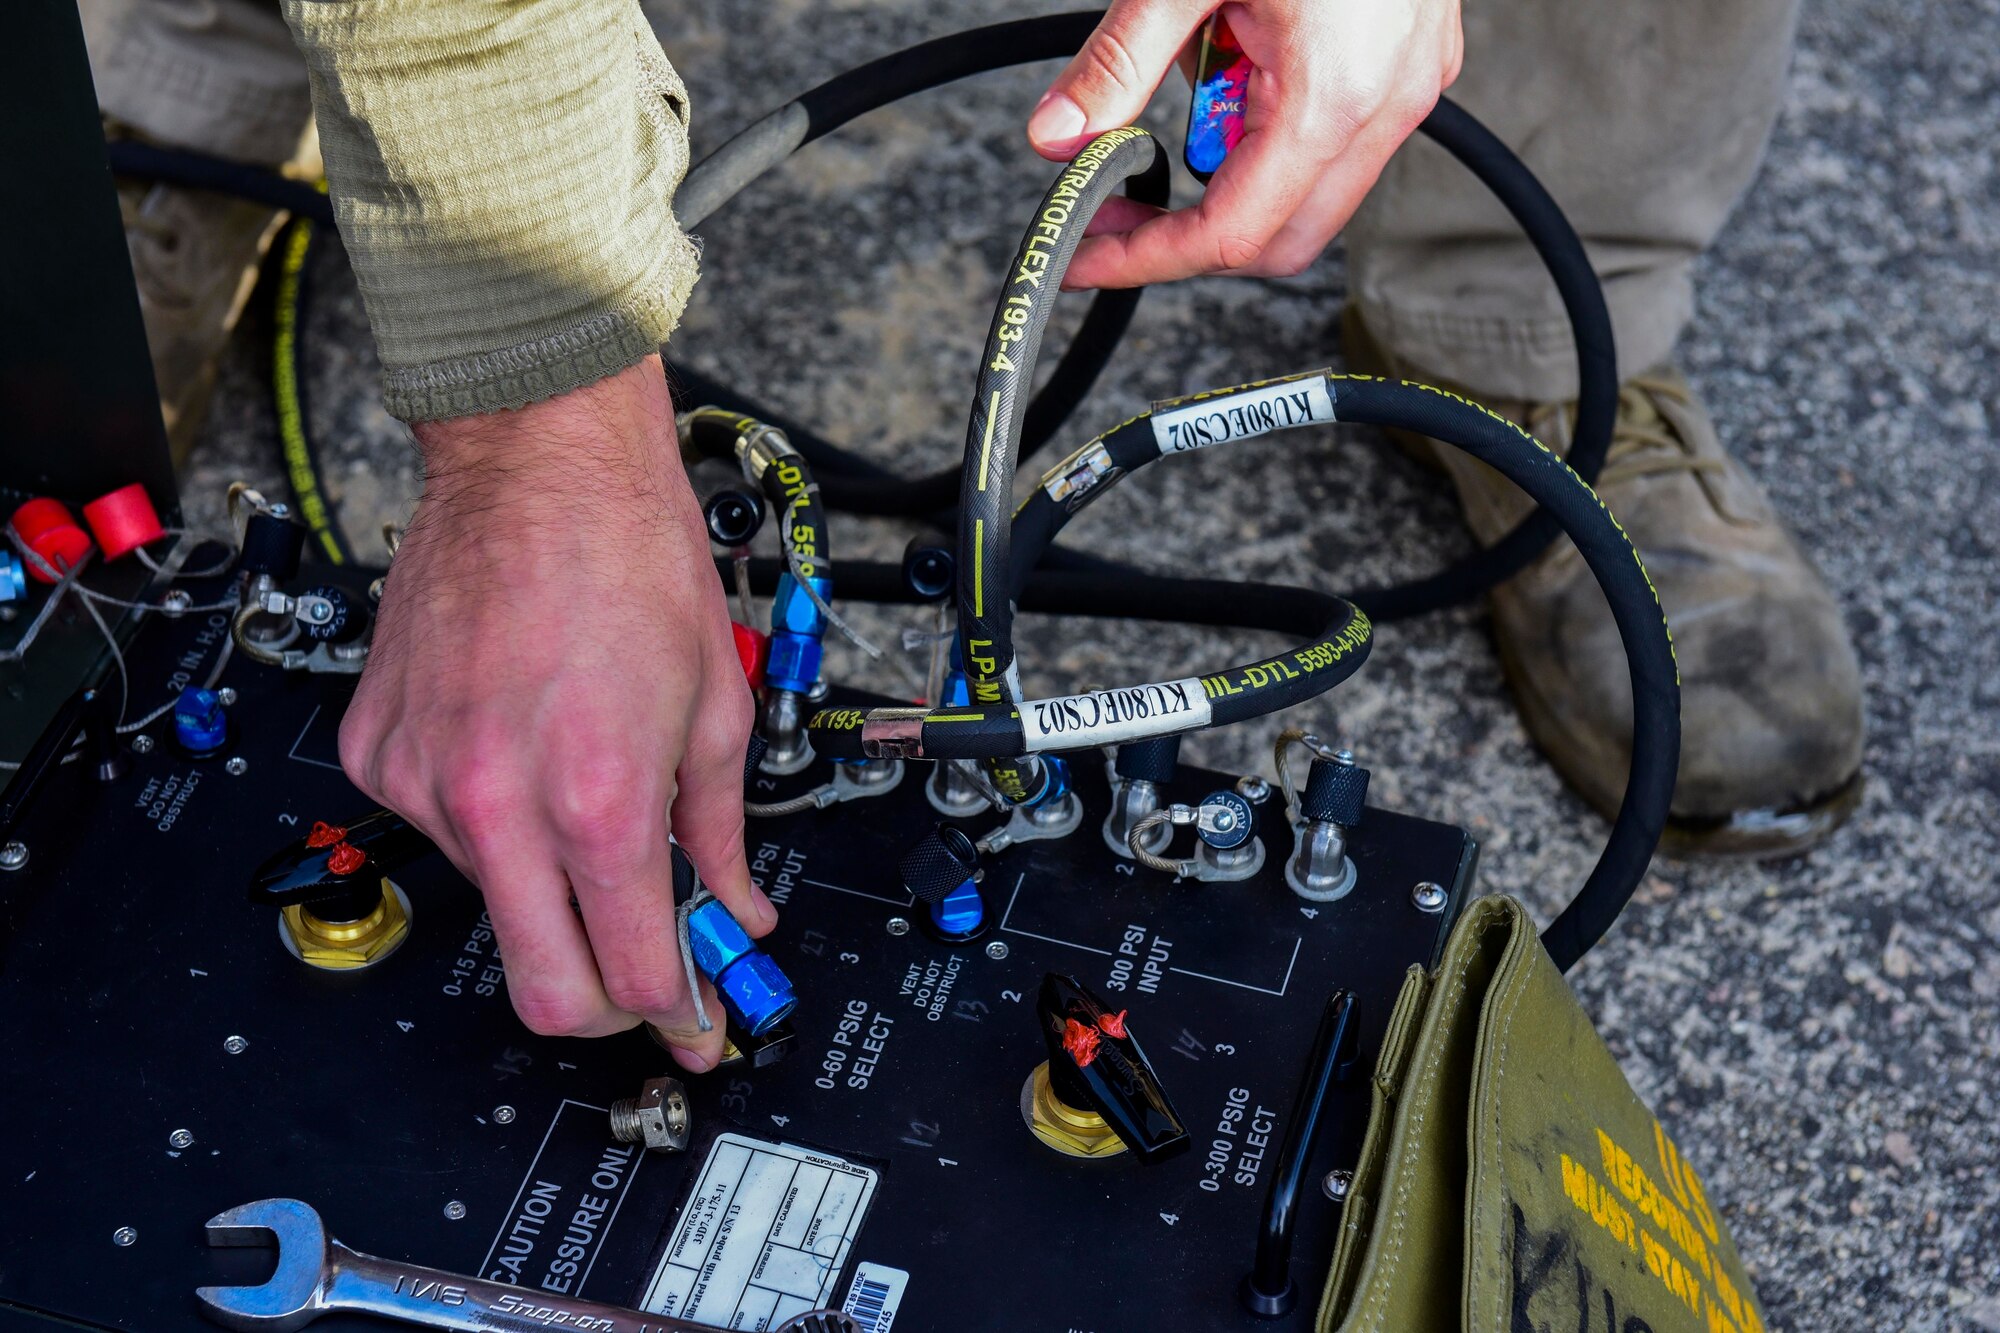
(1820, 1033)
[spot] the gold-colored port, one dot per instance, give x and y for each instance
(340, 946)
(1060, 1125)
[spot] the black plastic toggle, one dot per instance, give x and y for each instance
(337, 869)
(1095, 1064)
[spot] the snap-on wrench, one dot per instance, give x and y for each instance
(317, 1274)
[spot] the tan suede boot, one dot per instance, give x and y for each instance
(1770, 689)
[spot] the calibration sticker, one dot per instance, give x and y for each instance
(1239, 414)
(875, 1296)
(763, 1236)
(1108, 717)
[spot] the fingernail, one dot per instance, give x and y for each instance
(692, 1061)
(1056, 120)
(766, 913)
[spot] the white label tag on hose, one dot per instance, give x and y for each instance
(1111, 717)
(1241, 414)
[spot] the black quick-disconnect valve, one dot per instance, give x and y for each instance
(1097, 1072)
(941, 870)
(929, 568)
(733, 517)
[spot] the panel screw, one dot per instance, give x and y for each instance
(1253, 789)
(124, 1236)
(1429, 897)
(227, 694)
(503, 1115)
(142, 744)
(455, 1211)
(997, 950)
(237, 766)
(175, 602)
(13, 856)
(1336, 1185)
(235, 1045)
(181, 1138)
(898, 926)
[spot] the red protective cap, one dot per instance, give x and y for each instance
(123, 520)
(751, 650)
(46, 528)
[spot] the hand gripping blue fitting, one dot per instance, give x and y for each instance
(753, 988)
(797, 629)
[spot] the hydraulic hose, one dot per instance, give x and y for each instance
(999, 400)
(853, 483)
(848, 480)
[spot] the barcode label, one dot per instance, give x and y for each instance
(873, 1299)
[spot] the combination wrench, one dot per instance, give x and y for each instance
(316, 1274)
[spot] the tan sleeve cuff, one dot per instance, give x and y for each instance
(503, 175)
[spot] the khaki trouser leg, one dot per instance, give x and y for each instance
(1644, 118)
(219, 76)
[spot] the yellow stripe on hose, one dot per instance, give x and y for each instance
(979, 567)
(285, 388)
(986, 449)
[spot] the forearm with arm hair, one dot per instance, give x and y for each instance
(503, 175)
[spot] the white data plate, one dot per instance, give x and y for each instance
(763, 1236)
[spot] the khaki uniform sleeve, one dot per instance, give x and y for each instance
(503, 173)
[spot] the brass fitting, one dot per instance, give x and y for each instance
(1060, 1125)
(340, 946)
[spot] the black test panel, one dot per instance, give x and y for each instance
(144, 995)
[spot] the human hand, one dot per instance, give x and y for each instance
(553, 685)
(1334, 91)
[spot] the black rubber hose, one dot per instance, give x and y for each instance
(785, 478)
(999, 401)
(176, 166)
(1562, 252)
(1134, 595)
(930, 64)
(1529, 464)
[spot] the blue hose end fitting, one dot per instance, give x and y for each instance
(961, 914)
(13, 577)
(797, 631)
(753, 988)
(1055, 783)
(201, 726)
(957, 691)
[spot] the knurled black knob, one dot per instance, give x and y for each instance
(1095, 1064)
(271, 545)
(1149, 761)
(1335, 792)
(733, 517)
(940, 861)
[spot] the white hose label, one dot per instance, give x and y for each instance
(1242, 414)
(1111, 717)
(762, 1237)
